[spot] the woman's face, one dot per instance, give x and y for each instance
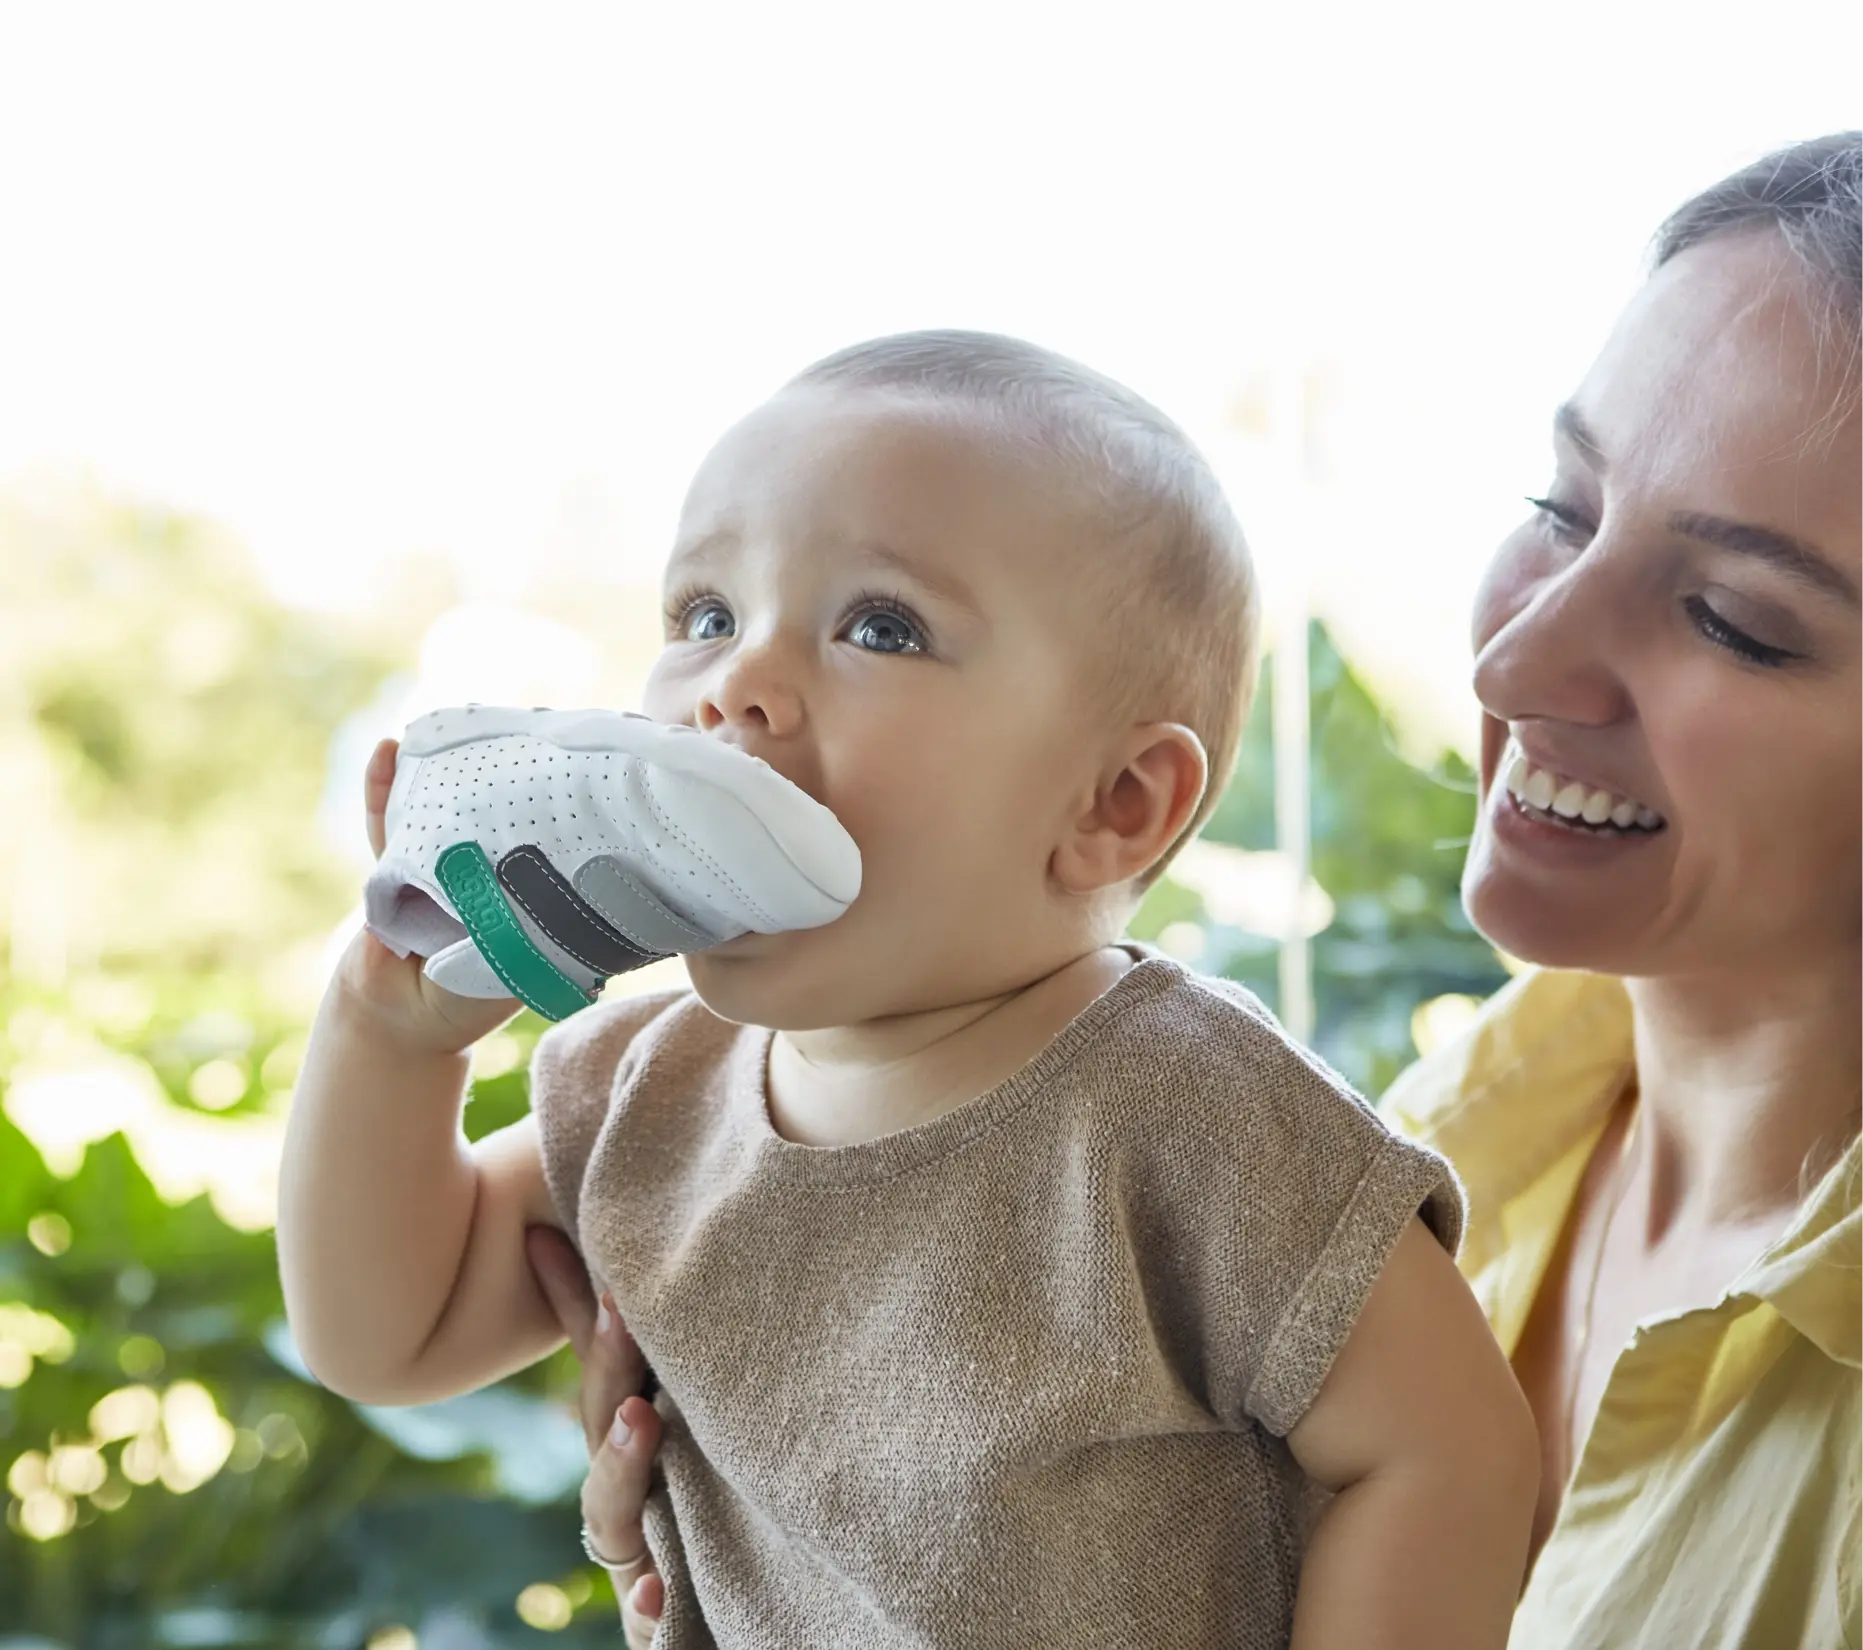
(1668, 648)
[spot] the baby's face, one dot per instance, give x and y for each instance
(872, 595)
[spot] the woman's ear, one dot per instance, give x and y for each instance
(1139, 807)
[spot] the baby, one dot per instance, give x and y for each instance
(1007, 1283)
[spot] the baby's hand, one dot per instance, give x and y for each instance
(392, 990)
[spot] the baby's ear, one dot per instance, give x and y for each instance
(1139, 807)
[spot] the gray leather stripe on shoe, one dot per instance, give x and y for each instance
(538, 887)
(613, 890)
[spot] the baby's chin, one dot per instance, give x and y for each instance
(811, 979)
(763, 980)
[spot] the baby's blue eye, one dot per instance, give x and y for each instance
(884, 632)
(708, 622)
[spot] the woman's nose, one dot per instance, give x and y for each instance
(1552, 649)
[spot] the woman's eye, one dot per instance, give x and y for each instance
(1731, 637)
(1562, 520)
(706, 622)
(881, 630)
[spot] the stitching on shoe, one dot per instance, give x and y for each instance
(475, 929)
(698, 853)
(652, 899)
(593, 968)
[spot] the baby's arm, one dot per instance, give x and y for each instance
(1422, 1430)
(400, 1246)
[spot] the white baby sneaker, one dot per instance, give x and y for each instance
(534, 853)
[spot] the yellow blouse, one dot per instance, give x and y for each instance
(1716, 1500)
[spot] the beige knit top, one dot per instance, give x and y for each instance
(1016, 1377)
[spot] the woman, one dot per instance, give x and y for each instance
(1658, 1128)
(1661, 1152)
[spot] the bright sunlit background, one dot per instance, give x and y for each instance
(482, 284)
(353, 360)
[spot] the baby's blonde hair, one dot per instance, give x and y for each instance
(1175, 580)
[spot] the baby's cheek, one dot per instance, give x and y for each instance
(662, 700)
(930, 800)
(887, 777)
(911, 822)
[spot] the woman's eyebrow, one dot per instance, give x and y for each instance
(1791, 556)
(1568, 423)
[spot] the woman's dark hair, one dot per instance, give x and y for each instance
(1811, 193)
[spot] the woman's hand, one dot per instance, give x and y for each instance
(612, 1373)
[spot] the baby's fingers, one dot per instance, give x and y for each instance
(378, 780)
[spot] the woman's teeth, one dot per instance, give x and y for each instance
(1566, 801)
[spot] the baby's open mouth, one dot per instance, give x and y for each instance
(1559, 800)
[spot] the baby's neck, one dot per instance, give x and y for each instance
(845, 1084)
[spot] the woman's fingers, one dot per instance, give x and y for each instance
(616, 1490)
(624, 1432)
(564, 1281)
(613, 1372)
(620, 1458)
(641, 1605)
(612, 1367)
(378, 780)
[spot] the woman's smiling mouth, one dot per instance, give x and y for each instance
(1556, 799)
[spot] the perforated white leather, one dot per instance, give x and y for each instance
(719, 837)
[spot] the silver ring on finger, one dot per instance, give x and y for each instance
(614, 1566)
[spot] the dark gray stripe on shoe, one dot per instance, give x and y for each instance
(612, 889)
(590, 979)
(539, 888)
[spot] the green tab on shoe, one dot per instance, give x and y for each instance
(472, 885)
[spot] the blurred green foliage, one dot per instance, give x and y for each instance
(173, 1477)
(1388, 840)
